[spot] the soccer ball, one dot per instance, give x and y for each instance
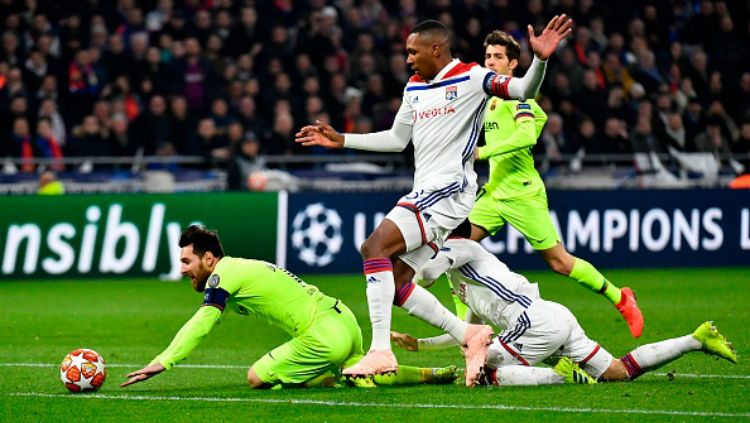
(257, 181)
(83, 370)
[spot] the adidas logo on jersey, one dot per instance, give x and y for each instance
(373, 279)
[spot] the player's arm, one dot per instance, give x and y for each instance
(507, 87)
(525, 134)
(392, 140)
(447, 259)
(410, 343)
(543, 46)
(188, 337)
(193, 331)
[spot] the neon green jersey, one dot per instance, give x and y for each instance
(511, 128)
(249, 287)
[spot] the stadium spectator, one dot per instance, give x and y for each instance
(554, 143)
(21, 144)
(208, 144)
(155, 19)
(48, 110)
(694, 120)
(713, 141)
(84, 85)
(46, 145)
(88, 139)
(121, 140)
(615, 142)
(742, 145)
(676, 135)
(742, 108)
(153, 129)
(194, 77)
(247, 35)
(280, 141)
(245, 161)
(49, 184)
(238, 49)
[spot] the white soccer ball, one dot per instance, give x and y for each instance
(316, 234)
(83, 370)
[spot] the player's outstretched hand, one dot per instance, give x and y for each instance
(405, 341)
(545, 44)
(321, 134)
(143, 374)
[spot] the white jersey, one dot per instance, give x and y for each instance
(446, 116)
(486, 285)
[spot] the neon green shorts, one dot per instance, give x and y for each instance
(333, 341)
(529, 214)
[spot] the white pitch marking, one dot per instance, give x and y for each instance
(232, 367)
(137, 366)
(387, 405)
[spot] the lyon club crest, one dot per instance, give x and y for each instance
(451, 93)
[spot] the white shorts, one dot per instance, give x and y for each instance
(426, 218)
(544, 330)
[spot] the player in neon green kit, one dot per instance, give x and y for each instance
(515, 192)
(325, 334)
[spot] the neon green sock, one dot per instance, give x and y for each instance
(586, 274)
(326, 380)
(461, 308)
(406, 375)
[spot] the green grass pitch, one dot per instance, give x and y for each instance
(130, 321)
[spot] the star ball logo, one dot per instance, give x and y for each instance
(316, 235)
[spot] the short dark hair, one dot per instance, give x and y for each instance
(497, 37)
(433, 28)
(203, 240)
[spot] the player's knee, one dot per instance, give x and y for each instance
(616, 371)
(370, 249)
(253, 380)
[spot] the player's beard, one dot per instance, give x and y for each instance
(201, 277)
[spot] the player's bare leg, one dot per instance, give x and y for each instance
(648, 357)
(384, 242)
(254, 380)
(419, 302)
(478, 233)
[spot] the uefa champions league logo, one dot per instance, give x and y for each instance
(316, 235)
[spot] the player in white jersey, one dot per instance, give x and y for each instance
(534, 329)
(441, 113)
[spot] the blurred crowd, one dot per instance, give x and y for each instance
(233, 80)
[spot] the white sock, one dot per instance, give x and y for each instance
(423, 304)
(652, 356)
(525, 375)
(380, 291)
